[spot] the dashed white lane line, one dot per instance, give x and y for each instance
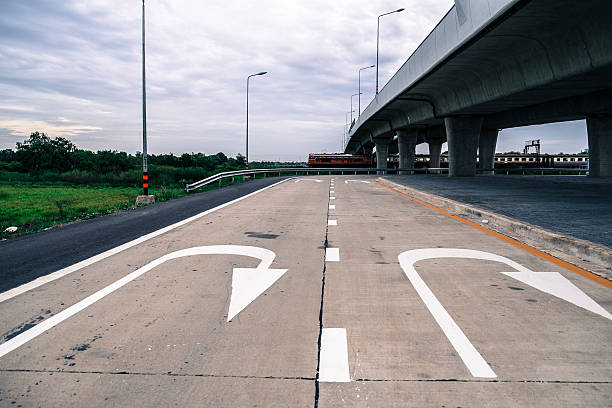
(332, 254)
(332, 222)
(63, 272)
(334, 366)
(332, 207)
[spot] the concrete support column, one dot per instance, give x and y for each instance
(600, 146)
(486, 149)
(406, 143)
(382, 152)
(435, 148)
(435, 137)
(463, 135)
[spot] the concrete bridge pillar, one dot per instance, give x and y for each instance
(435, 137)
(435, 149)
(463, 134)
(486, 149)
(382, 152)
(406, 142)
(600, 146)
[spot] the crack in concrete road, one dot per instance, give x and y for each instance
(316, 380)
(273, 377)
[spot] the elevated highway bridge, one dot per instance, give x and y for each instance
(494, 64)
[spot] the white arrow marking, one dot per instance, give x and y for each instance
(238, 301)
(306, 179)
(356, 181)
(248, 284)
(558, 286)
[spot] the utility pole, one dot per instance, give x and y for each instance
(145, 169)
(145, 198)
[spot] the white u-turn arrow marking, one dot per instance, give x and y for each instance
(247, 285)
(549, 282)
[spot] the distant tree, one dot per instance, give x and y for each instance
(185, 160)
(7, 156)
(40, 152)
(221, 157)
(108, 161)
(240, 160)
(84, 160)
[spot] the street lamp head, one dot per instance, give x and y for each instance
(262, 73)
(398, 10)
(372, 66)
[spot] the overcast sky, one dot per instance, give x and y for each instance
(72, 69)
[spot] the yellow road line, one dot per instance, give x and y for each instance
(573, 268)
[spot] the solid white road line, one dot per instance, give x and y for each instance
(332, 222)
(332, 254)
(334, 365)
(332, 207)
(65, 271)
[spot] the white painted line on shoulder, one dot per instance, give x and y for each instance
(332, 254)
(332, 222)
(332, 207)
(334, 365)
(75, 267)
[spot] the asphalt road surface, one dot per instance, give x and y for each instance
(326, 294)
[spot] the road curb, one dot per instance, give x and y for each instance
(595, 258)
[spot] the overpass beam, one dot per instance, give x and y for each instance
(463, 134)
(599, 129)
(406, 142)
(382, 152)
(486, 149)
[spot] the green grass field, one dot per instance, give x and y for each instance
(32, 207)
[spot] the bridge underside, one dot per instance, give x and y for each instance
(543, 61)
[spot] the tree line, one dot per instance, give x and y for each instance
(57, 159)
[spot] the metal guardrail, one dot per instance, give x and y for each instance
(343, 171)
(307, 171)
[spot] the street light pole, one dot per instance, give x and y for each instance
(361, 69)
(247, 116)
(377, 41)
(352, 105)
(145, 170)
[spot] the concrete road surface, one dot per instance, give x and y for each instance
(329, 293)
